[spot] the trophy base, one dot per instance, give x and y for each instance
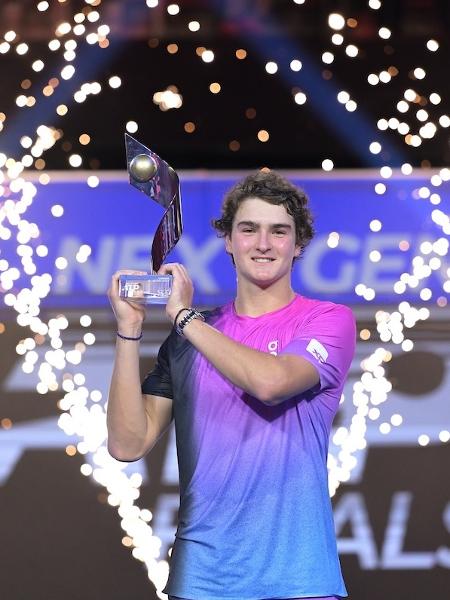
(145, 289)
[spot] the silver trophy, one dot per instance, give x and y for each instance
(153, 176)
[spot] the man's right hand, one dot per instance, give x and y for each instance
(129, 315)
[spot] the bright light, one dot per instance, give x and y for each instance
(375, 225)
(406, 169)
(208, 56)
(419, 73)
(57, 210)
(343, 97)
(396, 420)
(300, 98)
(351, 50)
(435, 98)
(168, 99)
(115, 81)
(37, 66)
(194, 26)
(271, 67)
(75, 160)
(22, 48)
(67, 72)
(131, 126)
(336, 21)
(93, 181)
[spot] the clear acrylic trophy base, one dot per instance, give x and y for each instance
(145, 289)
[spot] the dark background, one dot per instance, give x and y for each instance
(280, 30)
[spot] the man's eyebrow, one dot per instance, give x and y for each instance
(254, 224)
(250, 223)
(285, 225)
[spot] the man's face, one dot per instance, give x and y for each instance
(262, 242)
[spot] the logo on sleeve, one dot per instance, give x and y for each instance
(317, 350)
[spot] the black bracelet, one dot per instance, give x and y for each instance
(132, 339)
(178, 314)
(191, 315)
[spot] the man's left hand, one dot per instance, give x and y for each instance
(182, 288)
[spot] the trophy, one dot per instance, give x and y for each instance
(156, 179)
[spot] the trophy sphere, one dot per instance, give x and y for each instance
(143, 168)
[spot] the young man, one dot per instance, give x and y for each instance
(253, 387)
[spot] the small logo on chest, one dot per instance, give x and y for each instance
(272, 347)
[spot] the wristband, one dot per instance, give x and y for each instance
(132, 339)
(191, 315)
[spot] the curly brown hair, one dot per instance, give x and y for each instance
(275, 189)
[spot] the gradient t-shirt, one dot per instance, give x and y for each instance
(255, 517)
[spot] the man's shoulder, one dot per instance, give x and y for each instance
(212, 314)
(314, 307)
(323, 304)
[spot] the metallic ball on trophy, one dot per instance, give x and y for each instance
(143, 168)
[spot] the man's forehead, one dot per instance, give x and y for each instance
(258, 210)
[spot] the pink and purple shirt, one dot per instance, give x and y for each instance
(255, 517)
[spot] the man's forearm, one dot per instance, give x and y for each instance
(269, 378)
(126, 416)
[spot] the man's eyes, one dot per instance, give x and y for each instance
(275, 231)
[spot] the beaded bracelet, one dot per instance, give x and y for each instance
(191, 315)
(178, 314)
(132, 339)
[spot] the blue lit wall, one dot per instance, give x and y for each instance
(117, 222)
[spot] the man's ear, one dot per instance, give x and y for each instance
(228, 249)
(297, 251)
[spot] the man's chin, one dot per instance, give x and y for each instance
(264, 282)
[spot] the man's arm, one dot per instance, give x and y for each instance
(135, 421)
(271, 379)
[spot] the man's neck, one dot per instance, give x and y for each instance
(255, 301)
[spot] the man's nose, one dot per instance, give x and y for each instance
(263, 241)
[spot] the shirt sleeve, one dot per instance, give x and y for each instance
(159, 382)
(327, 340)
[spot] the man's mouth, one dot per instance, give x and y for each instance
(263, 260)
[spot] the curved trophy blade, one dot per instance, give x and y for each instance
(168, 233)
(155, 178)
